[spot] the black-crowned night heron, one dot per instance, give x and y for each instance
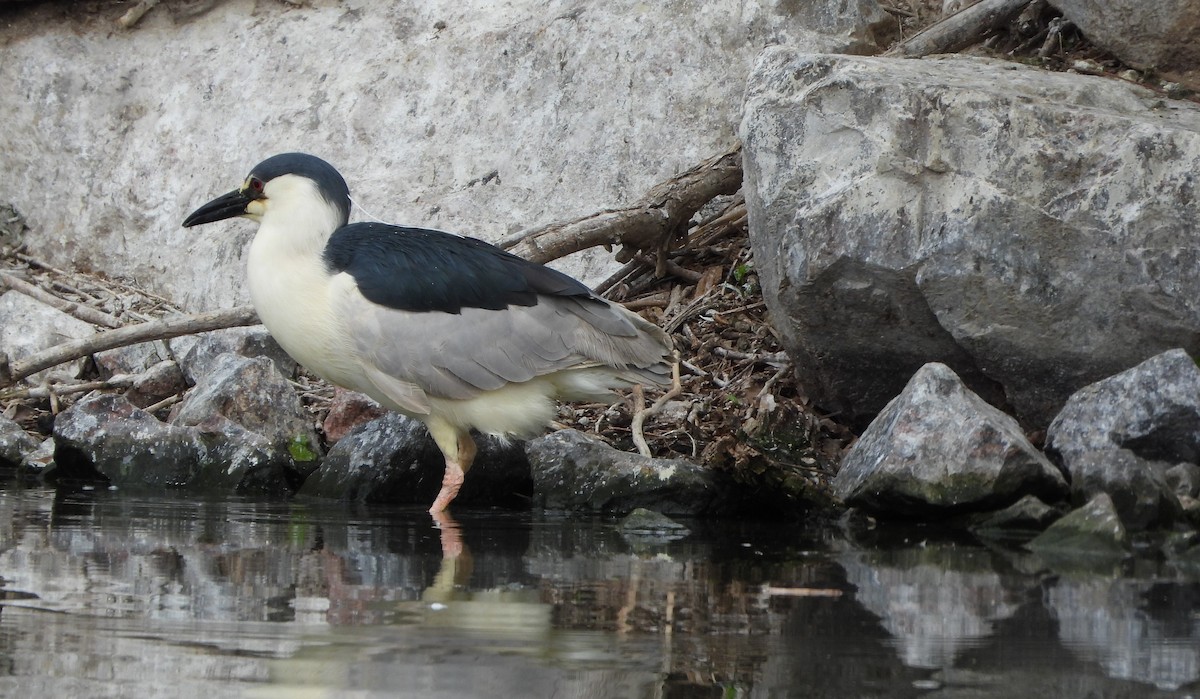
(446, 329)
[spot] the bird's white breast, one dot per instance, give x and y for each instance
(292, 291)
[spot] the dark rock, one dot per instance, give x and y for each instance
(348, 410)
(265, 469)
(198, 353)
(393, 459)
(160, 381)
(645, 530)
(572, 471)
(1092, 530)
(105, 438)
(1191, 509)
(1184, 479)
(1027, 515)
(643, 521)
(958, 210)
(1138, 488)
(1120, 436)
(252, 393)
(938, 447)
(15, 444)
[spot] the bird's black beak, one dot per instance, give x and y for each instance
(221, 208)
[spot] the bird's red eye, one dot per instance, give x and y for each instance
(256, 184)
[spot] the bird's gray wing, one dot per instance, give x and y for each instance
(459, 355)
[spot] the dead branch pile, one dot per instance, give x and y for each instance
(738, 406)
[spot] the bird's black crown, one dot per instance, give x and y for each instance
(329, 181)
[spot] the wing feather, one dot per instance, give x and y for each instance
(460, 355)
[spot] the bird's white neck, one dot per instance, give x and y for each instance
(297, 220)
(288, 279)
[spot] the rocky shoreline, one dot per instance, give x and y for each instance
(959, 290)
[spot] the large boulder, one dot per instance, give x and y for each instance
(1157, 36)
(939, 448)
(1026, 228)
(481, 118)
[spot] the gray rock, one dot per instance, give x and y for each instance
(1092, 530)
(15, 443)
(939, 447)
(198, 354)
(160, 381)
(105, 437)
(1184, 479)
(28, 326)
(986, 215)
(1152, 409)
(643, 521)
(1138, 488)
(505, 115)
(393, 459)
(41, 459)
(1191, 509)
(646, 530)
(131, 359)
(572, 471)
(1121, 434)
(1155, 36)
(1029, 514)
(264, 468)
(252, 393)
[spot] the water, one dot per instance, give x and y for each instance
(110, 595)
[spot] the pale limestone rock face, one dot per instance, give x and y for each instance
(1035, 231)
(482, 118)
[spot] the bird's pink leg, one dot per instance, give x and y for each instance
(450, 534)
(457, 466)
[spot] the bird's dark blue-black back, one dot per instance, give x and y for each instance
(416, 269)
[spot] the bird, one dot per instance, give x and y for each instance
(447, 329)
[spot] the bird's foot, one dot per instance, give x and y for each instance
(451, 482)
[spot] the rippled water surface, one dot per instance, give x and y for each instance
(109, 595)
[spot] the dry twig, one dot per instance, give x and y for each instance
(134, 14)
(658, 217)
(130, 335)
(639, 418)
(80, 311)
(959, 30)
